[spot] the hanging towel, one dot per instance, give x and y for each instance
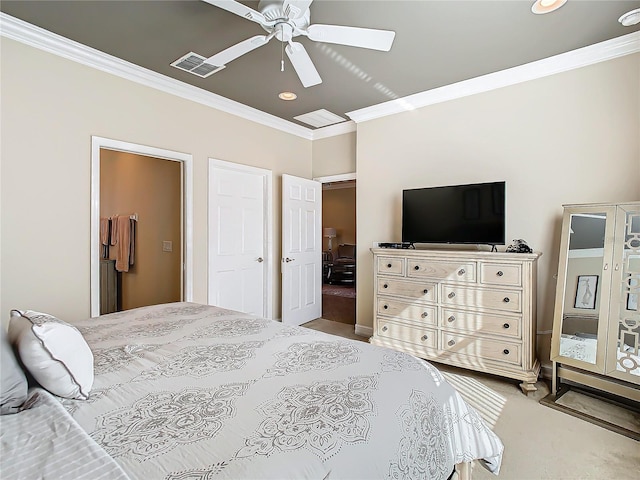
(114, 229)
(123, 242)
(104, 231)
(105, 236)
(132, 236)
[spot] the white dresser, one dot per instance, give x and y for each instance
(469, 309)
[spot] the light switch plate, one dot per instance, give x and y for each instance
(167, 246)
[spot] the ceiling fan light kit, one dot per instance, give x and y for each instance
(287, 19)
(541, 7)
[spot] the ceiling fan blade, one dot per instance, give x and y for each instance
(352, 36)
(239, 9)
(237, 50)
(302, 64)
(295, 8)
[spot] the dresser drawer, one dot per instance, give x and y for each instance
(501, 274)
(415, 290)
(507, 300)
(390, 266)
(418, 336)
(509, 326)
(449, 271)
(415, 313)
(508, 352)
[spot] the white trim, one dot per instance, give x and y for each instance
(37, 37)
(336, 178)
(42, 39)
(334, 130)
(98, 143)
(270, 256)
(582, 57)
(363, 331)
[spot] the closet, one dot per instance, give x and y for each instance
(596, 328)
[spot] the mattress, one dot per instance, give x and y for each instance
(190, 391)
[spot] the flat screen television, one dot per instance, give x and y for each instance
(468, 214)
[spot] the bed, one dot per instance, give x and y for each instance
(190, 391)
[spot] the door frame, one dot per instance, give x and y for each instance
(267, 177)
(98, 143)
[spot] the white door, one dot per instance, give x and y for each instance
(239, 238)
(301, 250)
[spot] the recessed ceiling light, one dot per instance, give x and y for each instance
(287, 96)
(630, 18)
(546, 6)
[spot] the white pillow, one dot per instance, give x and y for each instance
(54, 352)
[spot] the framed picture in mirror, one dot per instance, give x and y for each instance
(586, 292)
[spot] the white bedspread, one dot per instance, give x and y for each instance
(45, 442)
(186, 391)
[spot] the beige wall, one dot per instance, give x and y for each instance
(339, 212)
(568, 138)
(151, 188)
(334, 155)
(50, 109)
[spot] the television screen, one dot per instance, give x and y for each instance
(473, 213)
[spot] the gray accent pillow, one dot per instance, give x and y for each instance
(14, 381)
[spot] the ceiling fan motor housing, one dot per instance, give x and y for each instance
(278, 20)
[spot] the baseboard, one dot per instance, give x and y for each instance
(363, 331)
(546, 371)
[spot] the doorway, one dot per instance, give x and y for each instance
(178, 245)
(339, 247)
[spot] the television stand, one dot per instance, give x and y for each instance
(469, 309)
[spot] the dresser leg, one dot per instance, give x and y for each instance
(528, 387)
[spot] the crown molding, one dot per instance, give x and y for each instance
(334, 130)
(42, 39)
(582, 57)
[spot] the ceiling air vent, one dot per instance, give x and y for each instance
(194, 63)
(320, 118)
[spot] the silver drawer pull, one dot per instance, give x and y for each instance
(506, 299)
(424, 337)
(452, 318)
(461, 271)
(388, 265)
(385, 286)
(451, 295)
(452, 343)
(499, 273)
(506, 351)
(385, 328)
(385, 306)
(425, 291)
(506, 325)
(424, 315)
(417, 267)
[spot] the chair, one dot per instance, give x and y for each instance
(327, 266)
(344, 264)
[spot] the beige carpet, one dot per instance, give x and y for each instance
(540, 442)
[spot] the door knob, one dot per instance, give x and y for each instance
(289, 259)
(260, 260)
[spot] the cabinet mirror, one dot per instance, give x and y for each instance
(581, 305)
(627, 342)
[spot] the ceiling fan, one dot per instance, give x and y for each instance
(287, 19)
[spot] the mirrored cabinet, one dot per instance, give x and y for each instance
(596, 329)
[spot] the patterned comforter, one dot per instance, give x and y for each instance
(189, 391)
